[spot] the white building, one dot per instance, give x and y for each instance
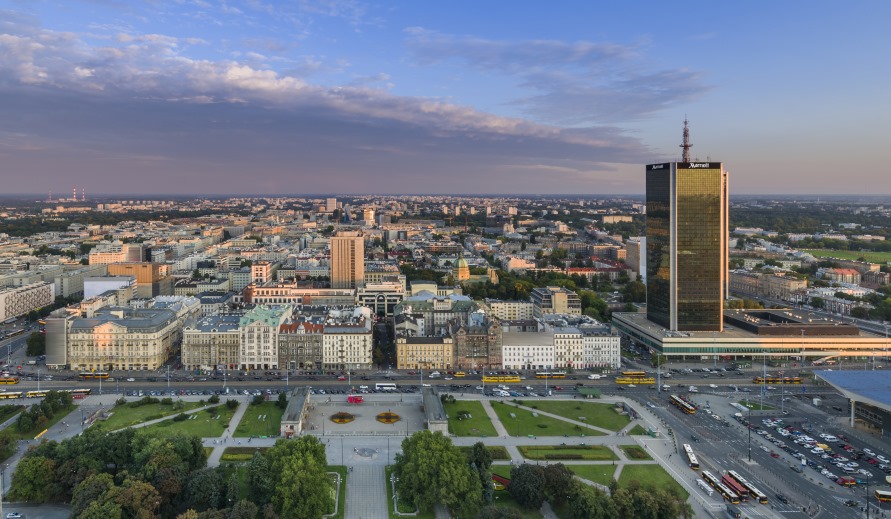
(569, 348)
(259, 329)
(18, 301)
(527, 350)
(93, 286)
(510, 310)
(601, 348)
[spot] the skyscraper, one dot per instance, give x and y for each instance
(330, 205)
(347, 260)
(686, 245)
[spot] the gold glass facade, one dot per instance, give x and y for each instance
(686, 245)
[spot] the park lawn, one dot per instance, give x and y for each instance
(341, 492)
(875, 257)
(123, 416)
(527, 425)
(637, 430)
(478, 424)
(652, 476)
(30, 434)
(251, 425)
(203, 425)
(601, 415)
(755, 406)
(602, 474)
(403, 508)
(634, 452)
(497, 452)
(240, 454)
(562, 453)
(503, 499)
(501, 470)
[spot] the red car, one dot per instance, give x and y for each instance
(341, 378)
(774, 455)
(558, 388)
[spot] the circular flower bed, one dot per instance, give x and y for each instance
(342, 417)
(388, 417)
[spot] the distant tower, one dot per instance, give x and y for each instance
(686, 145)
(83, 194)
(74, 193)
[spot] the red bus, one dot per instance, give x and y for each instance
(734, 485)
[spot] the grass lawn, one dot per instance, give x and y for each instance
(30, 434)
(651, 476)
(602, 474)
(526, 424)
(755, 406)
(875, 257)
(8, 411)
(240, 454)
(637, 430)
(497, 452)
(503, 499)
(341, 494)
(403, 508)
(208, 451)
(633, 452)
(124, 415)
(201, 424)
(501, 470)
(477, 425)
(563, 453)
(601, 415)
(252, 425)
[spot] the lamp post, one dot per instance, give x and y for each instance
(867, 496)
(38, 379)
(750, 433)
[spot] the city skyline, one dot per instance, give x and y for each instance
(215, 97)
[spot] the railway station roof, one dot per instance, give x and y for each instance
(872, 387)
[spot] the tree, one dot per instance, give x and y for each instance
(33, 480)
(205, 489)
(635, 292)
(244, 509)
(259, 479)
(817, 302)
(88, 491)
(101, 510)
(302, 486)
(430, 471)
(498, 512)
(36, 344)
(527, 485)
(481, 464)
(557, 480)
(282, 401)
(590, 503)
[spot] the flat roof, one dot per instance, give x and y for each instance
(869, 386)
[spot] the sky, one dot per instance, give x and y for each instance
(212, 97)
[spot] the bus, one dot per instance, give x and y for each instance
(75, 393)
(691, 458)
(41, 322)
(385, 386)
(633, 374)
(756, 494)
(498, 379)
(737, 489)
(630, 380)
(9, 395)
(777, 380)
(682, 404)
(9, 380)
(90, 375)
(14, 333)
(883, 496)
(726, 493)
(550, 374)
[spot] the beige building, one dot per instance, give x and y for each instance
(259, 336)
(765, 285)
(424, 353)
(555, 300)
(123, 339)
(18, 301)
(510, 310)
(212, 343)
(347, 345)
(347, 260)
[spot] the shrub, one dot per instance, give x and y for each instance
(259, 399)
(563, 457)
(167, 401)
(542, 426)
(146, 400)
(120, 401)
(180, 417)
(231, 403)
(214, 399)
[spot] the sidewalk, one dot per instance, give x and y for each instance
(365, 492)
(214, 459)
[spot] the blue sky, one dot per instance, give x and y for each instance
(333, 96)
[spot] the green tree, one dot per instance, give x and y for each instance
(481, 464)
(635, 292)
(499, 512)
(817, 302)
(89, 491)
(302, 486)
(33, 480)
(244, 509)
(557, 482)
(101, 510)
(205, 489)
(260, 479)
(430, 471)
(590, 503)
(36, 344)
(527, 485)
(282, 401)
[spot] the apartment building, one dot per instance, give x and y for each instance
(18, 301)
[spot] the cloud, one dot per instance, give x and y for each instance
(137, 113)
(574, 83)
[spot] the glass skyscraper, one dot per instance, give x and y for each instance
(687, 231)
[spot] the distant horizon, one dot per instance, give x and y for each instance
(101, 196)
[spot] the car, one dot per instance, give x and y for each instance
(131, 379)
(851, 502)
(883, 459)
(13, 515)
(774, 454)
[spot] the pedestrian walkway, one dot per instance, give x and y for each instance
(499, 428)
(365, 492)
(558, 417)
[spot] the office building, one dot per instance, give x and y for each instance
(686, 244)
(347, 260)
(555, 300)
(15, 302)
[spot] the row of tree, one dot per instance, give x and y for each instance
(128, 474)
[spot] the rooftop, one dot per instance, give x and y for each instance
(872, 387)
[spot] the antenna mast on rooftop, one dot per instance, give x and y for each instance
(686, 145)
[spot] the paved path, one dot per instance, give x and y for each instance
(563, 418)
(499, 427)
(220, 444)
(366, 493)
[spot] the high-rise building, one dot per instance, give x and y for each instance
(686, 244)
(347, 260)
(330, 205)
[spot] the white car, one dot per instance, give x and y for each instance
(870, 453)
(881, 458)
(131, 380)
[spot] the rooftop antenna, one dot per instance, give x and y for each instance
(686, 145)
